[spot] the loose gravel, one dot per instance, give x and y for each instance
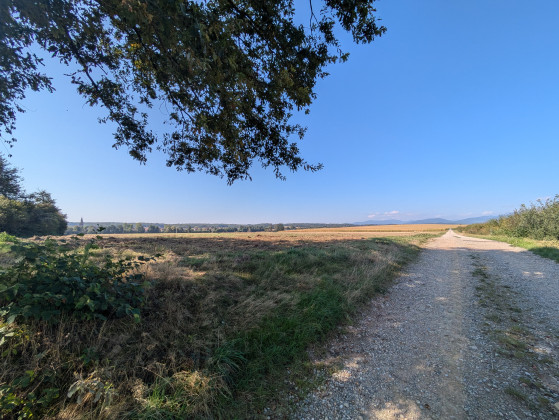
(469, 331)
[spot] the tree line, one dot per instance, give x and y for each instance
(156, 228)
(23, 214)
(536, 221)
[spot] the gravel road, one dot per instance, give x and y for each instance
(469, 331)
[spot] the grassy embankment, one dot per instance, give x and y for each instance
(225, 318)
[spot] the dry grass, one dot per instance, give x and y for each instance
(225, 314)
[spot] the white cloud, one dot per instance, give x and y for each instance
(386, 213)
(487, 213)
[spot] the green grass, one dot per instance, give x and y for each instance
(224, 322)
(342, 279)
(516, 394)
(320, 287)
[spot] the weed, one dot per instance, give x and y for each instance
(511, 343)
(529, 382)
(493, 317)
(546, 360)
(516, 394)
(518, 329)
(515, 341)
(480, 272)
(50, 278)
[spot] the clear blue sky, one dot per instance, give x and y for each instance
(453, 113)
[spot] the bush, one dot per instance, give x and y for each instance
(52, 278)
(537, 221)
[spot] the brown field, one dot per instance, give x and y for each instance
(387, 230)
(298, 236)
(176, 246)
(224, 315)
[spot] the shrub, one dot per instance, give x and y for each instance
(51, 278)
(537, 221)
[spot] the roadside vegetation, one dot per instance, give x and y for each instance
(161, 327)
(534, 227)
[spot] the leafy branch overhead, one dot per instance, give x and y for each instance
(228, 74)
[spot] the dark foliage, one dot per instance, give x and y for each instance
(51, 279)
(229, 73)
(26, 215)
(10, 180)
(537, 221)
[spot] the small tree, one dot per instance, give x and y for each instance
(13, 216)
(27, 215)
(153, 229)
(45, 218)
(10, 180)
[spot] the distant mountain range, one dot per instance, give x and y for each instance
(438, 221)
(435, 221)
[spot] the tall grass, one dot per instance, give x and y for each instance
(223, 322)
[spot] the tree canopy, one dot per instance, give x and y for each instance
(9, 180)
(229, 74)
(26, 215)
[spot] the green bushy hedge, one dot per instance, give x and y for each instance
(537, 221)
(51, 278)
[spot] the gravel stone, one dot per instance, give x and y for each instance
(423, 350)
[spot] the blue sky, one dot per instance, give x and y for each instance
(454, 113)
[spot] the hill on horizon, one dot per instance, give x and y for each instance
(432, 221)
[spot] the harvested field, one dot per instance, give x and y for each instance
(390, 230)
(226, 317)
(297, 235)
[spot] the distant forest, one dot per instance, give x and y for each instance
(116, 227)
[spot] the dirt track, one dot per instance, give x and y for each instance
(470, 331)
